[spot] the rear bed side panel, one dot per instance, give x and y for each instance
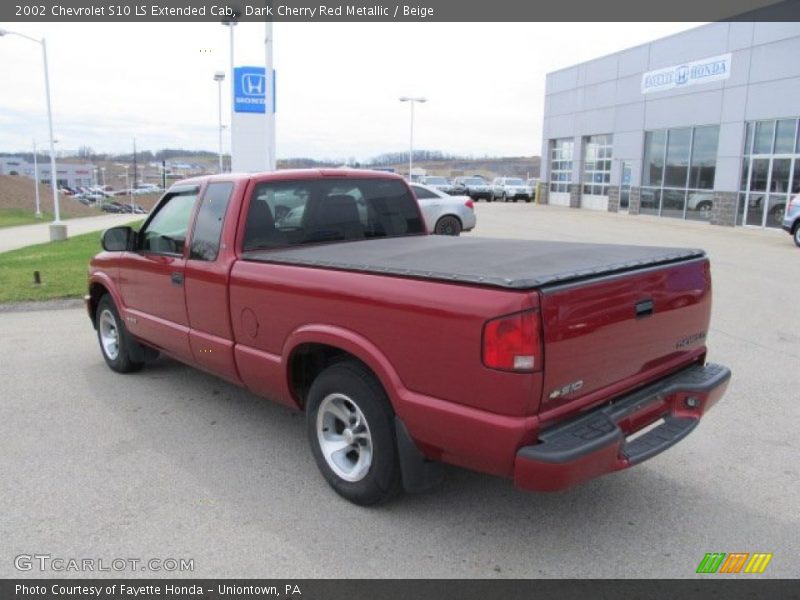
(430, 332)
(596, 346)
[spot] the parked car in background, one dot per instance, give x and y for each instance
(474, 187)
(511, 188)
(112, 207)
(700, 202)
(440, 183)
(444, 214)
(791, 222)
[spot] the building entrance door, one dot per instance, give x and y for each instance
(625, 186)
(769, 187)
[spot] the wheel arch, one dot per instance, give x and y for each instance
(100, 285)
(312, 348)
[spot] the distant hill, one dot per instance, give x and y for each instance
(17, 192)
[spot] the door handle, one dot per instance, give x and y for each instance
(644, 309)
(176, 278)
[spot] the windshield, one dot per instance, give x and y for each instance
(474, 181)
(514, 182)
(436, 181)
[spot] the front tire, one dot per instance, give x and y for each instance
(114, 338)
(448, 225)
(796, 234)
(350, 427)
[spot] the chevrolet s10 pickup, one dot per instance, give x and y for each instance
(550, 363)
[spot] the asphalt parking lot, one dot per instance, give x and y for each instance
(172, 462)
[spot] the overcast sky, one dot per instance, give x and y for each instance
(338, 84)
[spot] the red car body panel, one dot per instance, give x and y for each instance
(244, 321)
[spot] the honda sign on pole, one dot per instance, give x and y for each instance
(253, 93)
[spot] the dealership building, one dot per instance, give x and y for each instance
(700, 125)
(72, 175)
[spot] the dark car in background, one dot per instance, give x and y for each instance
(476, 188)
(440, 183)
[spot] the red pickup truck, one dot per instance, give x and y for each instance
(547, 362)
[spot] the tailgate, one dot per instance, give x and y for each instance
(607, 335)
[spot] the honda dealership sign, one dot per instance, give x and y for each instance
(249, 89)
(705, 70)
(253, 96)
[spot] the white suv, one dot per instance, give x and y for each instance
(511, 188)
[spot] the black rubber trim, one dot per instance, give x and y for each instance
(598, 429)
(418, 473)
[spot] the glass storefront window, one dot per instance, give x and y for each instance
(765, 131)
(704, 157)
(748, 140)
(650, 201)
(654, 142)
(745, 173)
(770, 176)
(678, 172)
(677, 163)
(785, 136)
(672, 203)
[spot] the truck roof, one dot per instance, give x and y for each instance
(516, 264)
(287, 174)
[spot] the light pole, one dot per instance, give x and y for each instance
(231, 23)
(36, 180)
(269, 104)
(58, 231)
(219, 77)
(411, 137)
(103, 173)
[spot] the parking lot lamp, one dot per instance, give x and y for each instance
(36, 180)
(411, 137)
(58, 230)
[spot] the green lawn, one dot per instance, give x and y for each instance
(62, 266)
(10, 217)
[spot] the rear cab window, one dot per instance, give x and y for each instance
(209, 221)
(290, 213)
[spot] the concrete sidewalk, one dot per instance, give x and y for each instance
(12, 238)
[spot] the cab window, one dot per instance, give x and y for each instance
(210, 217)
(165, 233)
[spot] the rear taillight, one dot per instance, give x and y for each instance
(794, 202)
(512, 343)
(470, 204)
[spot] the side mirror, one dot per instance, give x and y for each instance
(118, 239)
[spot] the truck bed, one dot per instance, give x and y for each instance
(515, 264)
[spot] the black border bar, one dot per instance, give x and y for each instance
(728, 588)
(331, 11)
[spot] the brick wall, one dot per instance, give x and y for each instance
(723, 212)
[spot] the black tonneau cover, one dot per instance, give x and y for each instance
(517, 264)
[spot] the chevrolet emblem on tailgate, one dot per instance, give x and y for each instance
(690, 340)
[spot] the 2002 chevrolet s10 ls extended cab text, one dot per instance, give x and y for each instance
(547, 362)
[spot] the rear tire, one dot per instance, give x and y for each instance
(114, 339)
(796, 234)
(350, 427)
(448, 225)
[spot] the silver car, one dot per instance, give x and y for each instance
(511, 188)
(444, 214)
(791, 221)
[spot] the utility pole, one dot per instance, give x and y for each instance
(135, 171)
